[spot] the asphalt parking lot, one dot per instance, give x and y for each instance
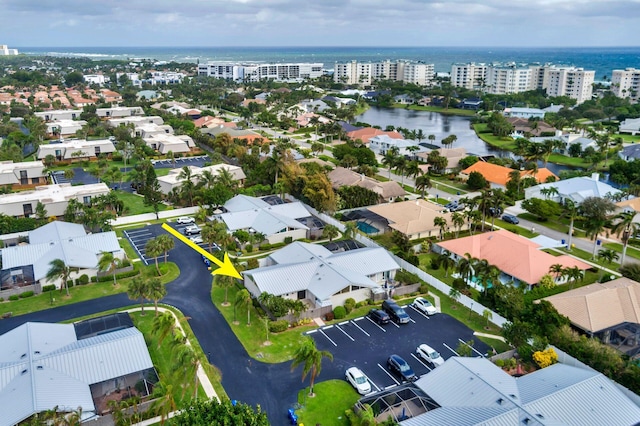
(140, 236)
(364, 344)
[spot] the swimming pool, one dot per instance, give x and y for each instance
(366, 228)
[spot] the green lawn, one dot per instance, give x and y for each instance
(445, 181)
(84, 292)
(586, 255)
(483, 133)
(134, 204)
(516, 229)
(631, 251)
(627, 138)
(253, 337)
(332, 398)
(553, 223)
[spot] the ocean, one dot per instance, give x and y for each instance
(601, 59)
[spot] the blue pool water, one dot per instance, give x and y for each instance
(366, 228)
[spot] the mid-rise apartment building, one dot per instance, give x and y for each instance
(626, 83)
(5, 51)
(501, 79)
(256, 72)
(365, 73)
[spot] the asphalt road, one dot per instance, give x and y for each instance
(272, 386)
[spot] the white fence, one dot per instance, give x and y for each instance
(476, 307)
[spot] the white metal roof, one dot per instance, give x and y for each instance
(56, 230)
(311, 267)
(267, 219)
(473, 391)
(43, 366)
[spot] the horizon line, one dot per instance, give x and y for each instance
(339, 47)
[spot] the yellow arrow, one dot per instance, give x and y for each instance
(225, 267)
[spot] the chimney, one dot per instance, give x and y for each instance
(595, 176)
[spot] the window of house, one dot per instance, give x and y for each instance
(27, 210)
(97, 150)
(86, 200)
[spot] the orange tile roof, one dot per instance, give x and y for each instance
(500, 175)
(368, 132)
(512, 254)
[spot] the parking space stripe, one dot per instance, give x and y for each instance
(328, 338)
(472, 348)
(376, 324)
(345, 333)
(135, 247)
(371, 381)
(394, 323)
(420, 312)
(447, 346)
(389, 374)
(421, 361)
(360, 328)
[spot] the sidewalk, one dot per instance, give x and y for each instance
(145, 217)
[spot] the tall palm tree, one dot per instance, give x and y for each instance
(457, 219)
(413, 169)
(310, 358)
(138, 289)
(154, 249)
(224, 281)
(423, 182)
(187, 186)
(573, 275)
(557, 269)
(166, 243)
(572, 212)
(156, 291)
(388, 160)
(243, 298)
(350, 229)
(187, 366)
(401, 166)
(607, 256)
(108, 263)
(593, 227)
(498, 198)
(163, 326)
(446, 261)
(626, 227)
(166, 402)
(59, 270)
(441, 223)
(465, 267)
(484, 201)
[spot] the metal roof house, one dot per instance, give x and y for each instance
(276, 222)
(474, 391)
(303, 271)
(28, 264)
(43, 366)
(575, 189)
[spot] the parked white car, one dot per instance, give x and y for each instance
(185, 219)
(424, 306)
(191, 230)
(358, 380)
(428, 354)
(196, 239)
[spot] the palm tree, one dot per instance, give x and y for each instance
(389, 160)
(573, 275)
(593, 227)
(224, 281)
(454, 293)
(446, 261)
(163, 325)
(572, 212)
(187, 186)
(413, 169)
(243, 298)
(497, 200)
(607, 256)
(484, 203)
(108, 263)
(423, 182)
(59, 270)
(166, 243)
(441, 223)
(156, 291)
(626, 226)
(187, 366)
(310, 358)
(330, 231)
(457, 219)
(557, 269)
(166, 403)
(350, 229)
(138, 289)
(465, 267)
(154, 249)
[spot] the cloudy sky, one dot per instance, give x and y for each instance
(320, 22)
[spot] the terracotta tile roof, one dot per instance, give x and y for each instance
(514, 255)
(600, 306)
(367, 133)
(524, 125)
(633, 203)
(500, 175)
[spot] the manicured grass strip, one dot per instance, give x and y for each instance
(134, 204)
(631, 251)
(253, 336)
(84, 292)
(496, 141)
(332, 398)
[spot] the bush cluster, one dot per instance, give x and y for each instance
(339, 312)
(26, 294)
(278, 326)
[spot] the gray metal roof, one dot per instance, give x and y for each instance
(55, 231)
(77, 251)
(244, 202)
(263, 220)
(312, 267)
(43, 366)
(473, 391)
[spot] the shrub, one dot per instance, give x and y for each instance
(249, 248)
(49, 287)
(265, 246)
(526, 352)
(288, 240)
(349, 304)
(424, 289)
(329, 316)
(339, 312)
(1, 299)
(128, 274)
(361, 304)
(545, 358)
(84, 279)
(26, 294)
(459, 284)
(435, 263)
(14, 297)
(278, 326)
(70, 283)
(406, 277)
(94, 279)
(499, 363)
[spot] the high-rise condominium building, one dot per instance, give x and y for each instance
(626, 83)
(257, 72)
(365, 73)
